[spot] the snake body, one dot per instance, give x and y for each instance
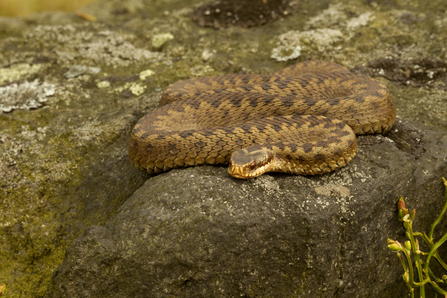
(300, 120)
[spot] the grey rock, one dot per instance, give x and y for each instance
(198, 232)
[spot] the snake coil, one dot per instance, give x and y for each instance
(300, 120)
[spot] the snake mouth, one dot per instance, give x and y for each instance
(240, 172)
(250, 162)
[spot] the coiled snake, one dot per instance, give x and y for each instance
(300, 120)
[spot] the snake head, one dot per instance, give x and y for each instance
(251, 162)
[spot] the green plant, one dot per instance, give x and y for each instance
(424, 273)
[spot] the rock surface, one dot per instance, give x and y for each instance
(242, 13)
(199, 232)
(71, 90)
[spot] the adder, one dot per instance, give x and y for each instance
(300, 120)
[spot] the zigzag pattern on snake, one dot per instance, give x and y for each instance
(300, 120)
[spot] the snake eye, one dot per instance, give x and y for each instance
(252, 165)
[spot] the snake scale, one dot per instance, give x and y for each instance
(300, 120)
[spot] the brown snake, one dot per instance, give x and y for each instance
(300, 120)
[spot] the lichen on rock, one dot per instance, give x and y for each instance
(290, 44)
(25, 96)
(104, 47)
(158, 40)
(18, 71)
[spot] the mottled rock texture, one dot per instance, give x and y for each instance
(242, 13)
(201, 233)
(75, 89)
